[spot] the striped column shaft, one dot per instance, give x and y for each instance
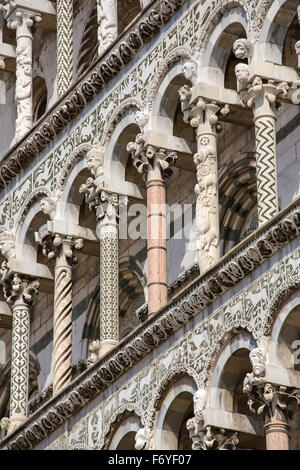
(277, 436)
(156, 245)
(64, 15)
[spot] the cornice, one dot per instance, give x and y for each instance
(203, 291)
(121, 52)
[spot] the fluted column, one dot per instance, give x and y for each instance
(154, 164)
(61, 249)
(261, 96)
(107, 11)
(64, 15)
(19, 291)
(204, 118)
(22, 21)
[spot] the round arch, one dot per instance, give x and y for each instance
(233, 25)
(176, 408)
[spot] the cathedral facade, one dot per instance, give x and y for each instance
(149, 224)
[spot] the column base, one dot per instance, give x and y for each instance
(106, 346)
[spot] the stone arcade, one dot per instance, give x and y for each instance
(149, 225)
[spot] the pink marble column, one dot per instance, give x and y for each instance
(156, 245)
(277, 436)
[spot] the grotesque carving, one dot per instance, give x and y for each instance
(2, 63)
(242, 48)
(7, 244)
(48, 206)
(142, 439)
(142, 118)
(95, 160)
(257, 358)
(242, 75)
(189, 70)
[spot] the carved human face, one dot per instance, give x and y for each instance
(242, 73)
(258, 362)
(46, 207)
(297, 47)
(239, 50)
(189, 70)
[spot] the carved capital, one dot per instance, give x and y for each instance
(150, 161)
(262, 96)
(276, 402)
(107, 205)
(204, 116)
(19, 288)
(22, 21)
(212, 438)
(59, 247)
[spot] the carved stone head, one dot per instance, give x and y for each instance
(242, 48)
(297, 47)
(242, 75)
(7, 244)
(189, 70)
(142, 439)
(200, 399)
(95, 160)
(258, 360)
(142, 118)
(48, 206)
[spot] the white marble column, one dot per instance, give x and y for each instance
(107, 11)
(204, 118)
(19, 291)
(22, 21)
(261, 96)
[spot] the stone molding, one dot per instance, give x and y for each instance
(197, 296)
(82, 93)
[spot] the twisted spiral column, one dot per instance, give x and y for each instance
(64, 15)
(62, 329)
